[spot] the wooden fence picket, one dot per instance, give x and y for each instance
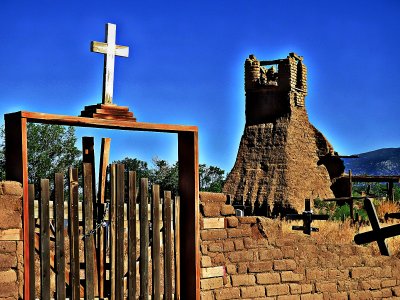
(88, 226)
(59, 234)
(167, 246)
(156, 243)
(73, 226)
(154, 214)
(132, 236)
(144, 240)
(44, 240)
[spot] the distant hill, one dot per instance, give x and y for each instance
(378, 162)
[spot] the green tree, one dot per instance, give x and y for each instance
(134, 164)
(51, 149)
(166, 175)
(211, 178)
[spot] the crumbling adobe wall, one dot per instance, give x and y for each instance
(11, 244)
(251, 258)
(279, 164)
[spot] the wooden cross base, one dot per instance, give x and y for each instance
(108, 111)
(307, 216)
(378, 233)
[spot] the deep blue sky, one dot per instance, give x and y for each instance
(186, 66)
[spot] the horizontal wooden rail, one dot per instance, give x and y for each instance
(35, 117)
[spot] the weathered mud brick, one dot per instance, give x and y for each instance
(228, 246)
(277, 289)
(211, 209)
(238, 232)
(268, 254)
(213, 223)
(218, 259)
(8, 261)
(361, 272)
(232, 222)
(239, 245)
(388, 282)
(371, 284)
(312, 297)
(9, 289)
(289, 276)
(289, 297)
(207, 197)
(335, 296)
(330, 287)
(339, 274)
(243, 280)
(211, 283)
(268, 278)
(206, 261)
(247, 220)
(253, 291)
(242, 268)
(227, 210)
(227, 293)
(213, 234)
(215, 247)
(306, 288)
(8, 276)
(207, 295)
(212, 272)
(11, 188)
(285, 265)
(8, 246)
(231, 269)
(360, 295)
(260, 266)
(241, 256)
(250, 243)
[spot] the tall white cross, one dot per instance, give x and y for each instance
(110, 49)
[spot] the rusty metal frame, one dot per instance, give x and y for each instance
(188, 157)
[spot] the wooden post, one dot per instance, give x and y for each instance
(59, 221)
(73, 227)
(113, 217)
(156, 243)
(167, 247)
(119, 232)
(390, 191)
(101, 253)
(177, 250)
(144, 240)
(88, 226)
(44, 240)
(189, 194)
(132, 236)
(16, 154)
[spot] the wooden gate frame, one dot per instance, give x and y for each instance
(17, 170)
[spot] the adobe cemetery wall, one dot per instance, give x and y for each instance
(11, 244)
(251, 258)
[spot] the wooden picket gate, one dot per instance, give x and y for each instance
(106, 233)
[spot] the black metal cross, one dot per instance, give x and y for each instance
(377, 234)
(307, 216)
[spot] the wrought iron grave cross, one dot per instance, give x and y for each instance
(109, 49)
(377, 234)
(307, 216)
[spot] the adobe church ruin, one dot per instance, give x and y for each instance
(282, 158)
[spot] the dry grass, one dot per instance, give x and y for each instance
(384, 207)
(338, 232)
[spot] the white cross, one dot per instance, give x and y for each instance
(110, 49)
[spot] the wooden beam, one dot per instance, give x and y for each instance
(189, 195)
(35, 117)
(371, 178)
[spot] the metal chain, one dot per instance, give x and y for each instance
(102, 223)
